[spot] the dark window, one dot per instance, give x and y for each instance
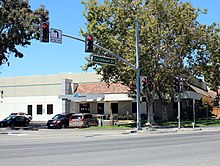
(49, 108)
(29, 110)
(134, 107)
(100, 108)
(39, 109)
(84, 108)
(114, 107)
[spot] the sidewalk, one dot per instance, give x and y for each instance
(161, 130)
(105, 132)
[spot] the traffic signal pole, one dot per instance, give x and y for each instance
(179, 110)
(136, 68)
(138, 96)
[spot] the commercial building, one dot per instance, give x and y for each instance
(46, 95)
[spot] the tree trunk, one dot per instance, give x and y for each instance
(150, 113)
(164, 112)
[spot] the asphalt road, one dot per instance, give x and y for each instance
(74, 147)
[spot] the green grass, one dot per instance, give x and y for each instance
(199, 123)
(170, 124)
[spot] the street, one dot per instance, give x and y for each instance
(84, 147)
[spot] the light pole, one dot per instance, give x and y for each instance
(137, 77)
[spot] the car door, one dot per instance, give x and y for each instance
(90, 119)
(19, 121)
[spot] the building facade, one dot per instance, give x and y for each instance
(47, 95)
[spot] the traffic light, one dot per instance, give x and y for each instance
(176, 85)
(89, 43)
(44, 32)
(182, 85)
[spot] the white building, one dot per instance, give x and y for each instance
(46, 95)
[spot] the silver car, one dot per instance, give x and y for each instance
(82, 120)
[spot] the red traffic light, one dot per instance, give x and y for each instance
(44, 32)
(89, 37)
(44, 25)
(89, 43)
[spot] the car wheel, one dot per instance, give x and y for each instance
(61, 126)
(87, 125)
(26, 124)
(12, 125)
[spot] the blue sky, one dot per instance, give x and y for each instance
(66, 15)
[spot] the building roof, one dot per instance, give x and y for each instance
(200, 91)
(101, 88)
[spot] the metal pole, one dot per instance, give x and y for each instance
(194, 112)
(137, 77)
(179, 104)
(179, 111)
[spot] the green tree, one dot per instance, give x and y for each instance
(170, 39)
(211, 69)
(18, 26)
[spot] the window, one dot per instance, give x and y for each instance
(29, 110)
(49, 108)
(134, 107)
(114, 107)
(84, 108)
(39, 109)
(100, 108)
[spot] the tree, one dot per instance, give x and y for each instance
(169, 38)
(18, 26)
(211, 69)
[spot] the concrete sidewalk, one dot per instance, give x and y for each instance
(161, 130)
(105, 132)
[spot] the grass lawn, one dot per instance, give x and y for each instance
(170, 124)
(199, 123)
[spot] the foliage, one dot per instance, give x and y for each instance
(171, 41)
(207, 107)
(18, 25)
(211, 69)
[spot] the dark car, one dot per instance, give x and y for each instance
(59, 121)
(15, 121)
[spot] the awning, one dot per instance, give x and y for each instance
(83, 97)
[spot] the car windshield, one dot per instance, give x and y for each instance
(58, 116)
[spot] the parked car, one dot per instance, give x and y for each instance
(22, 114)
(82, 120)
(59, 121)
(15, 121)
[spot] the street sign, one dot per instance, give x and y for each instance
(56, 36)
(103, 60)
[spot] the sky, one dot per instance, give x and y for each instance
(68, 57)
